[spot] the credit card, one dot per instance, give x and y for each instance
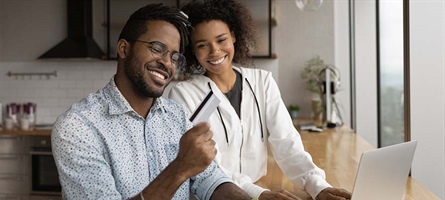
(205, 108)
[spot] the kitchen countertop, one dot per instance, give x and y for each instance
(39, 132)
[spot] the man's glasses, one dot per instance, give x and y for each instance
(159, 50)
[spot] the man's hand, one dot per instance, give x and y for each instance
(333, 194)
(196, 150)
(282, 194)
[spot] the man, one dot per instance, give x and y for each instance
(126, 141)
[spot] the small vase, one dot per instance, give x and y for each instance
(294, 114)
(317, 112)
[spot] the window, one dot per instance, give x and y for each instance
(390, 72)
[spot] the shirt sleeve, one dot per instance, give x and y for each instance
(203, 184)
(245, 183)
(287, 146)
(83, 170)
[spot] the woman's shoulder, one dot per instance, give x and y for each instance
(191, 85)
(254, 72)
(193, 81)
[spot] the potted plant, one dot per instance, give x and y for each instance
(311, 75)
(314, 76)
(293, 110)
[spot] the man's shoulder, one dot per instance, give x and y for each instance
(92, 105)
(172, 105)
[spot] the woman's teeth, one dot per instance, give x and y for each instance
(157, 74)
(218, 61)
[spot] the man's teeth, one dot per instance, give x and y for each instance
(218, 61)
(157, 74)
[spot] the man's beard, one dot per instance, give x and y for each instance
(136, 76)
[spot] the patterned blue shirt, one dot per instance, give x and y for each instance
(104, 150)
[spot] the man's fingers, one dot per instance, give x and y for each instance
(342, 193)
(207, 136)
(290, 195)
(293, 196)
(200, 132)
(201, 128)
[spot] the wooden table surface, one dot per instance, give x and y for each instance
(337, 151)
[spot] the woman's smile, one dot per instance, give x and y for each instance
(219, 61)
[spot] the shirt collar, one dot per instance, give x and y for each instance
(118, 104)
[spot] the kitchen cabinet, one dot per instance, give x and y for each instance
(13, 197)
(41, 197)
(14, 167)
(120, 10)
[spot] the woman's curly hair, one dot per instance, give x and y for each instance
(238, 19)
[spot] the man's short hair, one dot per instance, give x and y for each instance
(137, 23)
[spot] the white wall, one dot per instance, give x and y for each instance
(29, 28)
(427, 24)
(366, 70)
(342, 54)
(298, 37)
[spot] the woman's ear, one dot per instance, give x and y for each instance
(123, 47)
(233, 36)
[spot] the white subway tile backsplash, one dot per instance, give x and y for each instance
(57, 111)
(50, 102)
(106, 75)
(75, 80)
(67, 102)
(49, 84)
(57, 93)
(84, 83)
(101, 83)
(74, 75)
(67, 84)
(33, 84)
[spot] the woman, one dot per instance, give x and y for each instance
(251, 114)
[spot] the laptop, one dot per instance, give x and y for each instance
(382, 173)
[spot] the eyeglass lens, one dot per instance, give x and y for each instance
(159, 50)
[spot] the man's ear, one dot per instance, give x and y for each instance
(123, 47)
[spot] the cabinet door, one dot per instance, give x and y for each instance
(41, 197)
(14, 184)
(15, 164)
(120, 11)
(13, 197)
(13, 144)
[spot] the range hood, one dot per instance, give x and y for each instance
(80, 42)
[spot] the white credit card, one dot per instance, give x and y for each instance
(205, 108)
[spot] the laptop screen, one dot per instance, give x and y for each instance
(382, 173)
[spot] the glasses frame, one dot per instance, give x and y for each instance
(164, 52)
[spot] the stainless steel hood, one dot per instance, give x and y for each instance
(80, 42)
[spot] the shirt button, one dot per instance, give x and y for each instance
(150, 154)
